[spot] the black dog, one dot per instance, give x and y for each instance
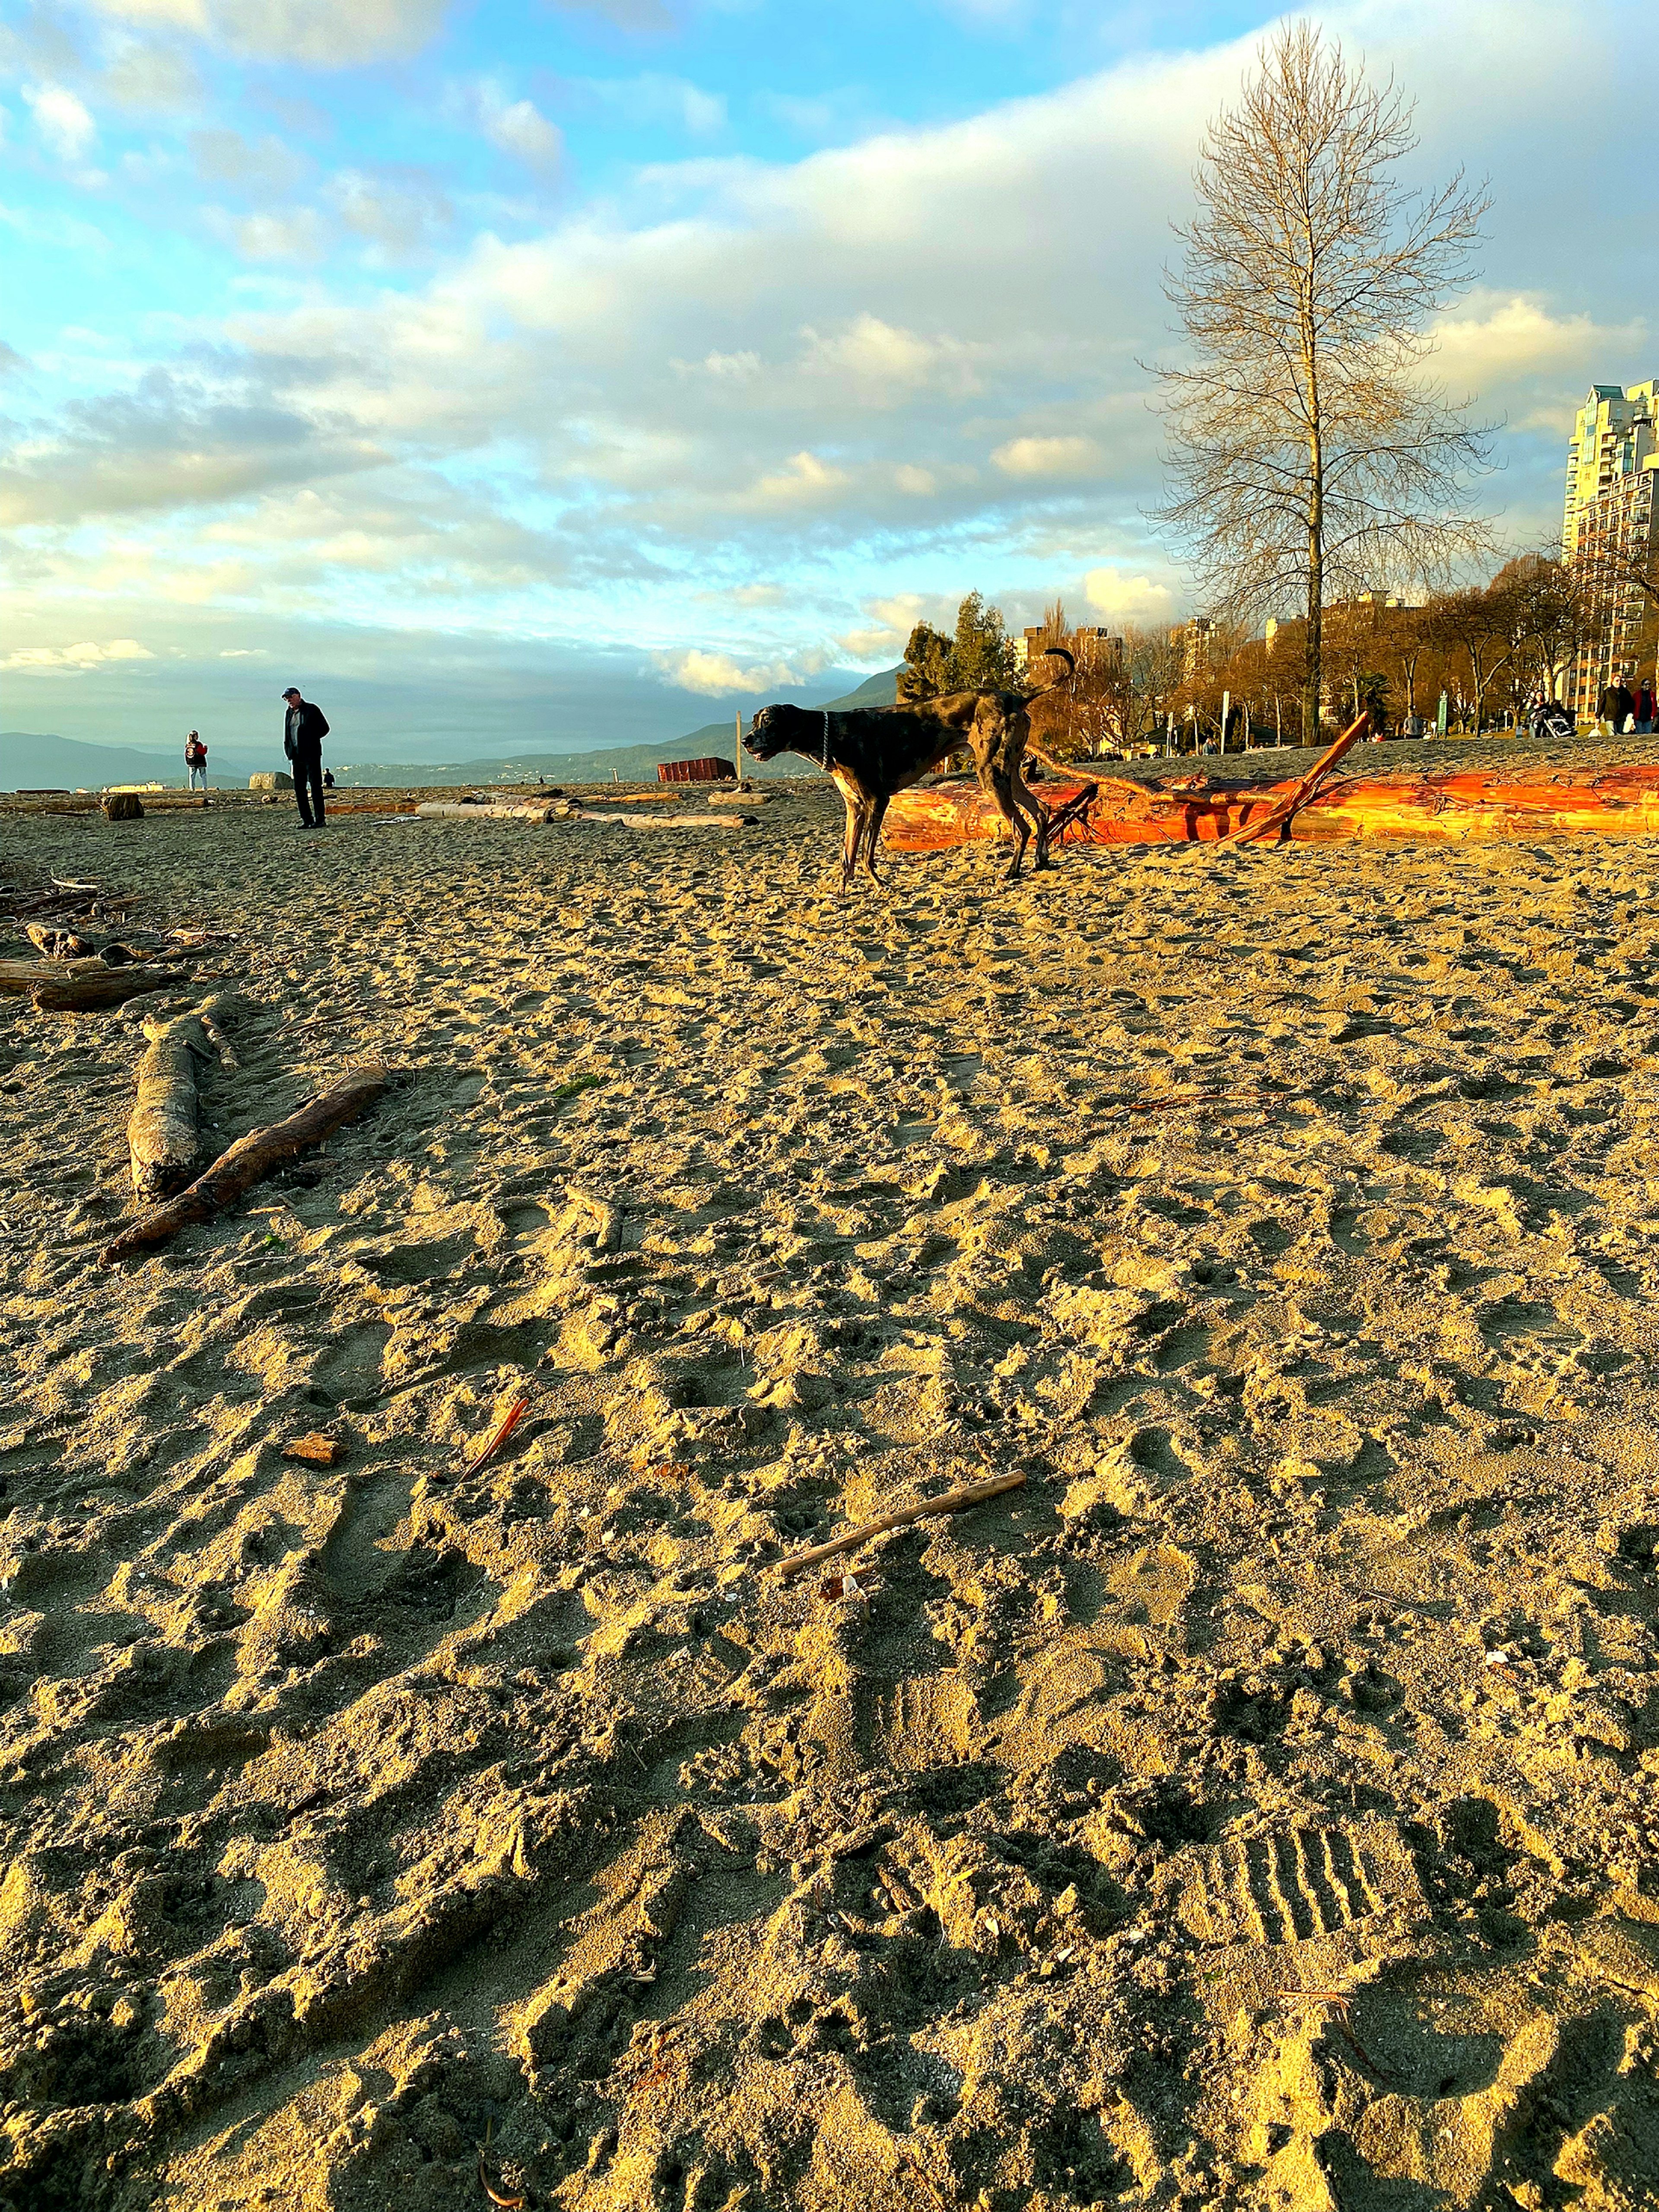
(873, 751)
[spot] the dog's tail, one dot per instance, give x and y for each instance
(1057, 653)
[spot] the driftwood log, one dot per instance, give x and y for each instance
(20, 978)
(161, 1132)
(952, 1501)
(457, 810)
(101, 987)
(250, 1160)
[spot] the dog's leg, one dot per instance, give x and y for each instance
(1026, 799)
(995, 782)
(849, 843)
(872, 834)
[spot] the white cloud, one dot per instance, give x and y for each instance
(718, 674)
(735, 368)
(1063, 457)
(41, 659)
(397, 213)
(62, 121)
(517, 127)
(1122, 598)
(1515, 355)
(224, 156)
(296, 235)
(886, 635)
(326, 34)
(803, 479)
(920, 483)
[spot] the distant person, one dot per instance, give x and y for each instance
(1643, 708)
(196, 761)
(328, 779)
(302, 741)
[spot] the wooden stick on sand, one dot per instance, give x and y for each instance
(952, 1501)
(250, 1159)
(498, 1436)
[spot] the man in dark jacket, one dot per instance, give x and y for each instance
(1614, 708)
(302, 741)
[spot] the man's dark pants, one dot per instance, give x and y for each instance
(309, 776)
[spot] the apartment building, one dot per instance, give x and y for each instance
(1608, 530)
(1090, 644)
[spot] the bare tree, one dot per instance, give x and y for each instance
(1484, 626)
(1310, 456)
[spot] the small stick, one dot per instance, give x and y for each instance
(953, 1501)
(508, 2203)
(483, 1457)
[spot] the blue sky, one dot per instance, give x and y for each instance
(541, 374)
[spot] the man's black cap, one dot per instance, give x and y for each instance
(292, 692)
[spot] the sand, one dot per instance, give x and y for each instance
(1257, 1809)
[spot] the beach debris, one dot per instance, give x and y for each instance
(161, 1130)
(316, 1449)
(57, 944)
(508, 2203)
(1456, 807)
(951, 1501)
(834, 1587)
(496, 1438)
(251, 1159)
(124, 806)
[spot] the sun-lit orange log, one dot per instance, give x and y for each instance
(1459, 807)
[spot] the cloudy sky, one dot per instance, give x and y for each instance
(515, 372)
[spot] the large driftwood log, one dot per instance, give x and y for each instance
(455, 810)
(19, 978)
(162, 1133)
(251, 1159)
(102, 987)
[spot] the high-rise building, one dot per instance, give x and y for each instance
(1610, 530)
(1612, 438)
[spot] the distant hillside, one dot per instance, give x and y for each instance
(628, 763)
(28, 761)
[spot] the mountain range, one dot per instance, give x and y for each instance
(31, 762)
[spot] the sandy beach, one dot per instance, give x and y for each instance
(1255, 1809)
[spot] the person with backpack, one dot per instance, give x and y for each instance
(196, 761)
(303, 732)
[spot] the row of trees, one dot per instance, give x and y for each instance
(1491, 648)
